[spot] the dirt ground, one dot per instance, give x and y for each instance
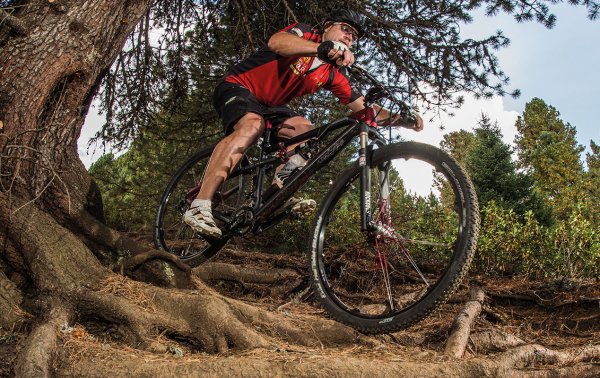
(553, 316)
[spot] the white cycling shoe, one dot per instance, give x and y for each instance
(199, 218)
(301, 207)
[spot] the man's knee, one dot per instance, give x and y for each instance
(295, 126)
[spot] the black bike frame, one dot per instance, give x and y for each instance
(351, 128)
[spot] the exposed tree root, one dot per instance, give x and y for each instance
(461, 329)
(545, 303)
(222, 271)
(98, 232)
(158, 267)
(493, 340)
(579, 371)
(185, 316)
(528, 355)
(286, 280)
(141, 263)
(281, 363)
(35, 360)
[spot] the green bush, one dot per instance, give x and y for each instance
(512, 244)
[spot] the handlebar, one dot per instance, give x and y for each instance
(379, 91)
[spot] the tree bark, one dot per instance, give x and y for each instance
(461, 329)
(47, 81)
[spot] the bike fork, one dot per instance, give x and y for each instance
(364, 157)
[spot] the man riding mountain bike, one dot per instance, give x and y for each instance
(297, 60)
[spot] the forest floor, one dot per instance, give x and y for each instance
(550, 316)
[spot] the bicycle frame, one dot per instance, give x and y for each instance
(351, 129)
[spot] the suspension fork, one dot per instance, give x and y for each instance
(364, 162)
(266, 144)
(384, 197)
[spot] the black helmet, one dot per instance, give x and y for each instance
(350, 17)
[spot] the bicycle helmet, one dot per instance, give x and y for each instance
(350, 17)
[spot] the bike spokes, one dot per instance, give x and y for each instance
(393, 267)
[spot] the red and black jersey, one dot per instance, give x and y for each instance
(275, 80)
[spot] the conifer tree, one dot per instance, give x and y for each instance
(592, 180)
(494, 174)
(547, 148)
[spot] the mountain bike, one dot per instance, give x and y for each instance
(383, 253)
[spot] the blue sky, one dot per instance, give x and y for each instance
(558, 65)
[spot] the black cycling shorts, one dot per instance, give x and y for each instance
(233, 101)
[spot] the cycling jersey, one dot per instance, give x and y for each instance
(275, 80)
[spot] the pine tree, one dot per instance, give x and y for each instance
(547, 148)
(592, 181)
(458, 144)
(494, 174)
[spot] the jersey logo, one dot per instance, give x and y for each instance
(301, 65)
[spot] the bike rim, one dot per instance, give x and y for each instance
(176, 236)
(380, 277)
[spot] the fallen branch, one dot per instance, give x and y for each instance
(461, 328)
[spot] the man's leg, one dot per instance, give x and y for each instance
(228, 153)
(290, 128)
(294, 126)
(226, 156)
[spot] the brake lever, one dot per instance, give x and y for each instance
(375, 93)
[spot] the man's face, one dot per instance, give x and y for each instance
(341, 32)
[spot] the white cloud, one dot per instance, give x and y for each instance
(465, 118)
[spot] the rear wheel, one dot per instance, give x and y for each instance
(172, 234)
(426, 215)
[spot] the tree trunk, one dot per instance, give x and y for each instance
(49, 73)
(50, 67)
(47, 80)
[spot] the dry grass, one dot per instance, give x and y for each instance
(571, 323)
(124, 287)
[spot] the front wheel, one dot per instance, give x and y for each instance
(172, 234)
(426, 222)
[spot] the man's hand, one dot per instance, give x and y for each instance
(385, 118)
(417, 125)
(335, 52)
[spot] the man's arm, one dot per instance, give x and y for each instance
(288, 44)
(384, 117)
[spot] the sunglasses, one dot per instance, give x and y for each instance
(347, 29)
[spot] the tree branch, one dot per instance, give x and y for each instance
(461, 329)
